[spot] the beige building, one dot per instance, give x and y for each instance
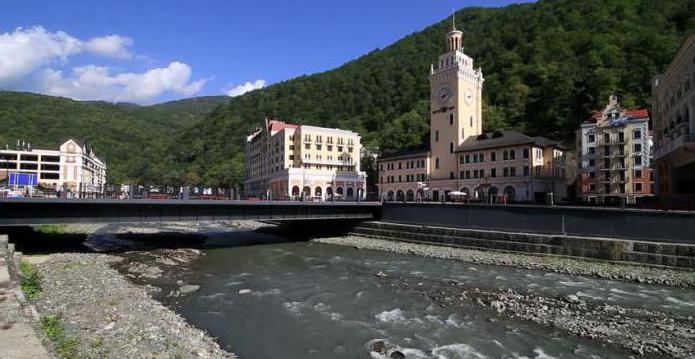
(460, 157)
(74, 168)
(615, 147)
(287, 161)
(673, 98)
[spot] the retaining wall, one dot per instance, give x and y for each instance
(648, 225)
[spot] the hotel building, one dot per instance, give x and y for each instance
(673, 98)
(460, 157)
(287, 161)
(73, 167)
(615, 147)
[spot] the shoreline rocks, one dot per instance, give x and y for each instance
(113, 317)
(574, 266)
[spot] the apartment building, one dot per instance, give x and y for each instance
(673, 99)
(511, 164)
(288, 161)
(73, 168)
(615, 147)
(460, 157)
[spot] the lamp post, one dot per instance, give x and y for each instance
(551, 190)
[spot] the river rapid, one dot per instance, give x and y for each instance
(313, 300)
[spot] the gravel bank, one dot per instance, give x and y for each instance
(600, 269)
(112, 317)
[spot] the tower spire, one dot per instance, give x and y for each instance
(453, 19)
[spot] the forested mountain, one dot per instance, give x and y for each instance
(128, 136)
(547, 66)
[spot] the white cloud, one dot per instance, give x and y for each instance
(115, 46)
(25, 50)
(99, 83)
(244, 88)
(31, 59)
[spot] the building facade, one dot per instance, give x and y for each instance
(673, 98)
(615, 147)
(73, 168)
(460, 157)
(287, 161)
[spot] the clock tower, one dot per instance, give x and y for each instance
(456, 105)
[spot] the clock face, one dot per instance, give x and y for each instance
(444, 95)
(468, 97)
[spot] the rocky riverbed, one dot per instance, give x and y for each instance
(650, 333)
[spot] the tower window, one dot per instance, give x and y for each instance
(451, 118)
(471, 121)
(436, 163)
(436, 135)
(451, 147)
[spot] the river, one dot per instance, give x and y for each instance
(311, 300)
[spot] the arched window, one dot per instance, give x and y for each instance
(318, 192)
(295, 191)
(436, 163)
(492, 192)
(410, 195)
(350, 192)
(307, 191)
(400, 196)
(510, 192)
(389, 197)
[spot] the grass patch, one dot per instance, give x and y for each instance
(30, 280)
(65, 345)
(50, 228)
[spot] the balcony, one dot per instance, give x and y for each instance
(671, 143)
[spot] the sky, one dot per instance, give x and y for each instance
(150, 51)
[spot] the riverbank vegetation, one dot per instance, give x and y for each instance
(65, 345)
(30, 280)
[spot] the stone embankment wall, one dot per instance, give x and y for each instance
(657, 253)
(18, 340)
(644, 225)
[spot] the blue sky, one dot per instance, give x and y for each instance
(151, 51)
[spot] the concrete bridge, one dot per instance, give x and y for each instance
(27, 211)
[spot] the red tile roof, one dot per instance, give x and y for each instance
(275, 125)
(639, 113)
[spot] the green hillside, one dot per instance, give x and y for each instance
(547, 66)
(129, 137)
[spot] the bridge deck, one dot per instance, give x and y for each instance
(54, 211)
